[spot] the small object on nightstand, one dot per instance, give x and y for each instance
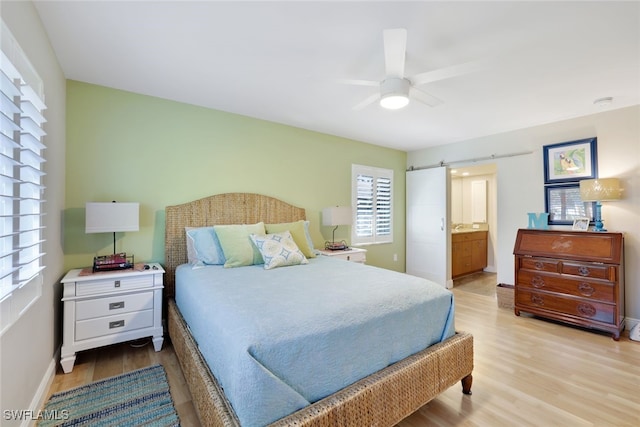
(108, 307)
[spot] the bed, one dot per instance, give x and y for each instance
(383, 397)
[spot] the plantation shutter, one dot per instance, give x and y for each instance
(373, 205)
(21, 175)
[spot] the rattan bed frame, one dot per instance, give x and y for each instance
(383, 398)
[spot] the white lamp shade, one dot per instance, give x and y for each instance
(337, 215)
(598, 190)
(111, 217)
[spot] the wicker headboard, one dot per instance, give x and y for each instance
(229, 208)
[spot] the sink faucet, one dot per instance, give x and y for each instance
(458, 227)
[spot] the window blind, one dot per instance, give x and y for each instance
(373, 204)
(21, 176)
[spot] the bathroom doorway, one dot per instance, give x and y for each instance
(474, 204)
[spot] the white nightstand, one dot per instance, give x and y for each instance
(351, 254)
(110, 307)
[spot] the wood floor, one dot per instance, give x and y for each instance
(528, 371)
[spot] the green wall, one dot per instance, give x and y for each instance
(134, 148)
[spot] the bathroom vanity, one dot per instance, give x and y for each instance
(468, 251)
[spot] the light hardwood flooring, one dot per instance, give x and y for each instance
(528, 371)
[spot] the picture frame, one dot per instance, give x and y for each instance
(564, 205)
(580, 224)
(570, 161)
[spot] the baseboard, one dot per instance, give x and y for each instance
(39, 398)
(630, 323)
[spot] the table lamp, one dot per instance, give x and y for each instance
(336, 216)
(105, 217)
(599, 190)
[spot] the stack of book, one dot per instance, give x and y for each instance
(112, 262)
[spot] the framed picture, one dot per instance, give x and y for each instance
(581, 224)
(564, 205)
(570, 161)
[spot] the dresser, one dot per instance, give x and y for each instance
(110, 307)
(573, 277)
(468, 252)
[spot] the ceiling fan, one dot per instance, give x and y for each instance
(396, 89)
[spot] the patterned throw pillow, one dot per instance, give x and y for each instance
(278, 250)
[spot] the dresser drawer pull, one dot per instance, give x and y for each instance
(537, 282)
(586, 309)
(117, 284)
(583, 271)
(586, 289)
(116, 305)
(539, 265)
(537, 299)
(116, 324)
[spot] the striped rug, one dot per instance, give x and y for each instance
(136, 398)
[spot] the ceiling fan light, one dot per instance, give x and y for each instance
(394, 101)
(394, 93)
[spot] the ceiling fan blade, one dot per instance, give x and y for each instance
(395, 47)
(448, 72)
(357, 82)
(368, 101)
(425, 98)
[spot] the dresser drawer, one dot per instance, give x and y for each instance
(116, 324)
(585, 309)
(108, 306)
(567, 285)
(596, 271)
(540, 264)
(99, 286)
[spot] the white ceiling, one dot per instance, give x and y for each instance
(283, 61)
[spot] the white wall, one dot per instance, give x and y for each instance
(520, 181)
(28, 348)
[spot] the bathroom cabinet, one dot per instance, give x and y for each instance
(468, 252)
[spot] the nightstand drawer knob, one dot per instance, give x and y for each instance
(117, 284)
(116, 324)
(116, 305)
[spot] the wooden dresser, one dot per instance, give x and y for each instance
(574, 277)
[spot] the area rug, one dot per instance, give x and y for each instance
(136, 398)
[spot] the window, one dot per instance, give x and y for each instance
(21, 175)
(372, 202)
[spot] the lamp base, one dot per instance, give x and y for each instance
(597, 218)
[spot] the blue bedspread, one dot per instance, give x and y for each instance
(278, 340)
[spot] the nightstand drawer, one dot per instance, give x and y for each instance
(117, 324)
(353, 257)
(113, 305)
(99, 286)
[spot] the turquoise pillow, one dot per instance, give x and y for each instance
(278, 250)
(236, 244)
(203, 247)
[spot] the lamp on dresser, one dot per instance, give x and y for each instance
(599, 190)
(335, 217)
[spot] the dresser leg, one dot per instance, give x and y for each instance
(67, 362)
(157, 343)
